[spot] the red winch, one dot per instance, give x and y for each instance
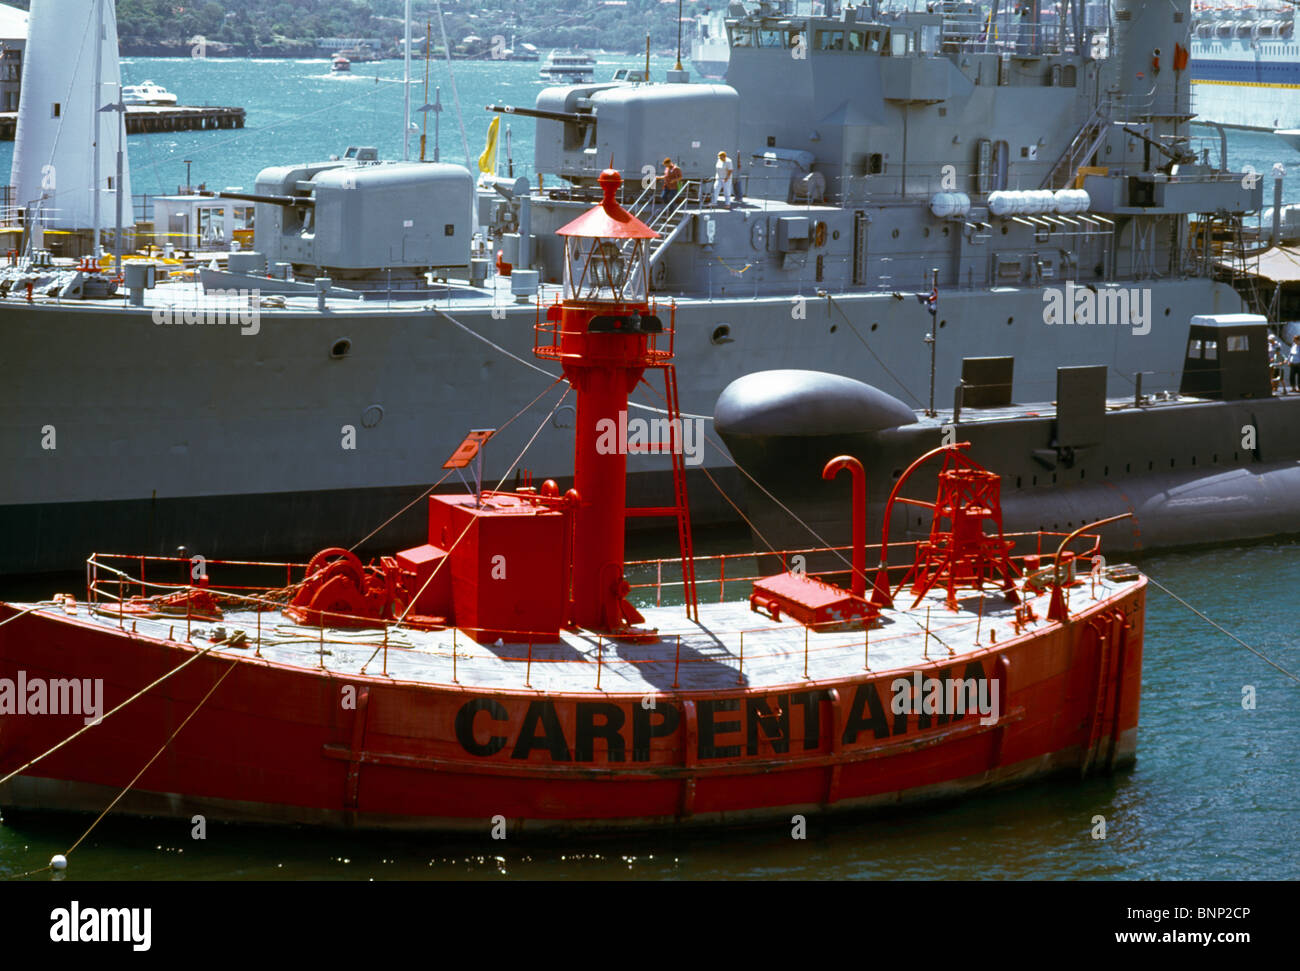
(337, 591)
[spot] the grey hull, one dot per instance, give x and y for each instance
(144, 414)
(1189, 473)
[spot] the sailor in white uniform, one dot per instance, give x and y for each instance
(722, 175)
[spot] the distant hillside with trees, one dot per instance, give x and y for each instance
(269, 28)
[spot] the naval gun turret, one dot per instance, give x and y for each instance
(580, 127)
(359, 220)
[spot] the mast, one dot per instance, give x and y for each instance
(94, 108)
(679, 36)
(451, 75)
(424, 112)
(120, 108)
(406, 89)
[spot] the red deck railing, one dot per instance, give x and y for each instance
(258, 587)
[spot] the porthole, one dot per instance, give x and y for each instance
(925, 231)
(1009, 321)
(874, 326)
(834, 328)
(835, 234)
(943, 324)
(894, 234)
(340, 349)
(1166, 311)
(1004, 230)
(721, 335)
(372, 416)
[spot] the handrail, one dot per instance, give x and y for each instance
(1096, 120)
(318, 640)
(1056, 608)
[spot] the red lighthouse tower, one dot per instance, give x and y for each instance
(605, 336)
(519, 566)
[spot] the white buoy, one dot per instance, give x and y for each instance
(59, 862)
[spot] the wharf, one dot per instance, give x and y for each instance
(146, 119)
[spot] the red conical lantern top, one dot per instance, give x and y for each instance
(609, 219)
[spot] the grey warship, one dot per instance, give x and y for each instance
(874, 146)
(1216, 460)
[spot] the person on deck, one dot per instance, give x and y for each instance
(672, 180)
(1294, 360)
(722, 175)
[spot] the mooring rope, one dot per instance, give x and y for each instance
(23, 768)
(28, 610)
(446, 559)
(541, 370)
(427, 492)
(233, 663)
(1160, 586)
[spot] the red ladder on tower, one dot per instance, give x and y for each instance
(681, 509)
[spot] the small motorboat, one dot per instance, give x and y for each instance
(147, 93)
(340, 64)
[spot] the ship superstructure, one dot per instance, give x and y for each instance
(872, 151)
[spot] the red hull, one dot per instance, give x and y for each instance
(279, 744)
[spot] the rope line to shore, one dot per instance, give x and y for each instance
(23, 768)
(885, 367)
(447, 559)
(27, 610)
(1160, 586)
(541, 370)
(233, 664)
(425, 494)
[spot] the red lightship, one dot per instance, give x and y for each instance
(513, 668)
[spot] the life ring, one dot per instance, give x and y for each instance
(819, 233)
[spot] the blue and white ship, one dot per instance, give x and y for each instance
(1245, 62)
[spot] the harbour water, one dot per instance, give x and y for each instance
(299, 111)
(1214, 792)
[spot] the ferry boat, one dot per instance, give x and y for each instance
(1245, 64)
(499, 677)
(147, 93)
(561, 66)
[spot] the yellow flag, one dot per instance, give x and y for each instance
(487, 162)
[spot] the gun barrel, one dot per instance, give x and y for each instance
(271, 200)
(566, 116)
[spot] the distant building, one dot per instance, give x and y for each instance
(345, 43)
(13, 44)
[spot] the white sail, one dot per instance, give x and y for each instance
(54, 150)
